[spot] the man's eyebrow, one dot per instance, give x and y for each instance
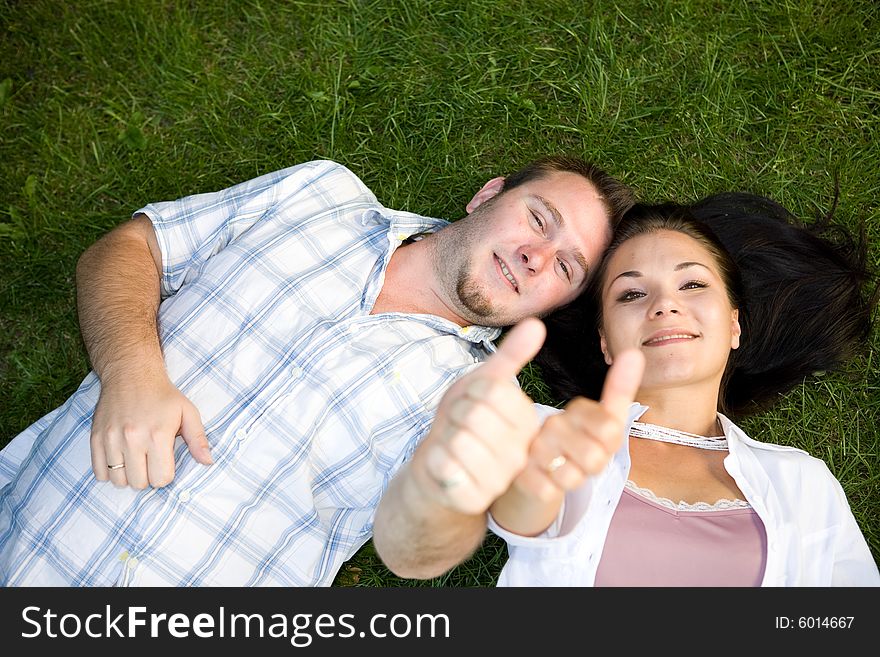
(553, 211)
(560, 223)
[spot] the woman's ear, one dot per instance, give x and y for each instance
(489, 190)
(735, 329)
(603, 345)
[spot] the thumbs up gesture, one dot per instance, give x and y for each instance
(581, 440)
(480, 437)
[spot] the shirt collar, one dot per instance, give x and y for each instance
(732, 432)
(403, 225)
(736, 437)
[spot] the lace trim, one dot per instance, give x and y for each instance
(720, 505)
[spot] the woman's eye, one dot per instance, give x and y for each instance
(538, 221)
(631, 295)
(693, 285)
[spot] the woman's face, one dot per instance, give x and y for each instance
(663, 295)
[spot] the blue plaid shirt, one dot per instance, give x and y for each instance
(310, 403)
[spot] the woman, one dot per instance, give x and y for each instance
(727, 318)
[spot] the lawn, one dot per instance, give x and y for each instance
(106, 105)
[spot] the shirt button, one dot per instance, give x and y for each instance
(241, 434)
(297, 372)
(123, 556)
(132, 563)
(184, 496)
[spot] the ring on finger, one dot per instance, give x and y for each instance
(453, 481)
(556, 463)
(116, 466)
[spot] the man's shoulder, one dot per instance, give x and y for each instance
(327, 179)
(319, 168)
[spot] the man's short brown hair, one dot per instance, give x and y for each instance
(615, 195)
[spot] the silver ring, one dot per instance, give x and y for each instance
(453, 481)
(116, 467)
(556, 463)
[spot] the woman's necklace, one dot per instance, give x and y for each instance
(665, 435)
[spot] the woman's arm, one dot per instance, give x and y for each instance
(570, 446)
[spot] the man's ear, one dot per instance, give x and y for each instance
(490, 189)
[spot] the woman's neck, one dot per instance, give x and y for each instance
(692, 409)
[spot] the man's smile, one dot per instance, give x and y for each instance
(506, 273)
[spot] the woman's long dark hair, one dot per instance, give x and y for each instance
(803, 298)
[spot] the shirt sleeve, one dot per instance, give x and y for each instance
(195, 228)
(552, 531)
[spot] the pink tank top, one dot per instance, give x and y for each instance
(706, 545)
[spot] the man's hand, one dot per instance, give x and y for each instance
(480, 437)
(135, 424)
(581, 440)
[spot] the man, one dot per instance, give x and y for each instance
(297, 336)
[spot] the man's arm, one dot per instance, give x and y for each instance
(117, 285)
(139, 412)
(418, 537)
(433, 514)
(486, 449)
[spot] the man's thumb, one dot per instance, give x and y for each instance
(193, 433)
(518, 348)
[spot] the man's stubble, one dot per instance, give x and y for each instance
(454, 262)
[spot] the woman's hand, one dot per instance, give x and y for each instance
(580, 441)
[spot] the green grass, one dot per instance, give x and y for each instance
(108, 105)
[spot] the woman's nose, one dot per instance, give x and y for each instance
(664, 305)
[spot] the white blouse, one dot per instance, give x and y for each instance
(813, 538)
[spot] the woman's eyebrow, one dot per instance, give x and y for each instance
(637, 274)
(627, 274)
(685, 265)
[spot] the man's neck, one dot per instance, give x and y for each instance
(411, 285)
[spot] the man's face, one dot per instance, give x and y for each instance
(524, 251)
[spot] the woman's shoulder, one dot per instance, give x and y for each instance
(773, 453)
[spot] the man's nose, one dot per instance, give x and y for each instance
(534, 258)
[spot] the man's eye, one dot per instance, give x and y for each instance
(565, 269)
(538, 221)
